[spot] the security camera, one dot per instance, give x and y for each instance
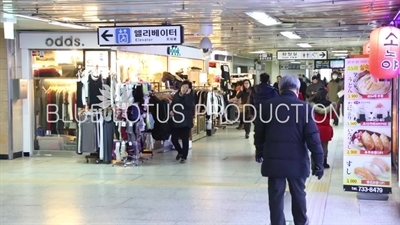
(205, 44)
(205, 50)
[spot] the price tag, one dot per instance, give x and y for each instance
(352, 123)
(351, 181)
(352, 152)
(352, 96)
(130, 143)
(123, 124)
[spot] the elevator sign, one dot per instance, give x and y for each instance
(140, 35)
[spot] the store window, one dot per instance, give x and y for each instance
(135, 66)
(56, 64)
(55, 85)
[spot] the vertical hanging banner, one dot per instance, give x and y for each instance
(367, 128)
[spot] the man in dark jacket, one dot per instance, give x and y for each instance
(286, 129)
(261, 93)
(276, 84)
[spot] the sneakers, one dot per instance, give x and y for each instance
(183, 161)
(178, 157)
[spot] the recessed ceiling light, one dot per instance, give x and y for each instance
(257, 52)
(263, 18)
(290, 35)
(304, 45)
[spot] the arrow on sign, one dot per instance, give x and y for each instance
(106, 35)
(322, 54)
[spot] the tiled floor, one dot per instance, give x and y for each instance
(220, 184)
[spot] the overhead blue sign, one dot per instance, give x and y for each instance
(140, 35)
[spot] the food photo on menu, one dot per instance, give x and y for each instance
(371, 141)
(369, 87)
(369, 113)
(371, 170)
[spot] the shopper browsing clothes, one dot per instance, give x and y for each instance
(244, 107)
(323, 112)
(286, 139)
(182, 108)
(333, 89)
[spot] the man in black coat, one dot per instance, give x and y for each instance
(286, 129)
(261, 93)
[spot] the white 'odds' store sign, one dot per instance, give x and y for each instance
(61, 40)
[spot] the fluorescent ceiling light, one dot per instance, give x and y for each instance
(31, 18)
(294, 62)
(264, 18)
(304, 45)
(343, 54)
(340, 51)
(257, 52)
(290, 35)
(70, 25)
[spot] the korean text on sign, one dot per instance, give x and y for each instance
(156, 33)
(391, 61)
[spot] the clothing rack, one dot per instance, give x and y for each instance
(134, 140)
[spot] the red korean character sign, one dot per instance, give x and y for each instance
(384, 56)
(366, 48)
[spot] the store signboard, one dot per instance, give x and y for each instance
(290, 67)
(266, 57)
(301, 55)
(57, 40)
(173, 50)
(367, 129)
(140, 35)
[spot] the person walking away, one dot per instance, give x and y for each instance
(276, 84)
(287, 135)
(313, 88)
(333, 90)
(323, 112)
(303, 87)
(245, 114)
(181, 111)
(261, 93)
(239, 87)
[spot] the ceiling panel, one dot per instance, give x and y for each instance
(322, 23)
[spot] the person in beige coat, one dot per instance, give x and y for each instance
(334, 88)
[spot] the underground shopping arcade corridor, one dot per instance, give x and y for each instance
(220, 184)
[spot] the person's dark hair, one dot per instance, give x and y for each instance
(244, 82)
(320, 96)
(188, 83)
(279, 76)
(314, 78)
(264, 78)
(239, 83)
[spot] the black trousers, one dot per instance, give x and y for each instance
(182, 134)
(246, 125)
(276, 193)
